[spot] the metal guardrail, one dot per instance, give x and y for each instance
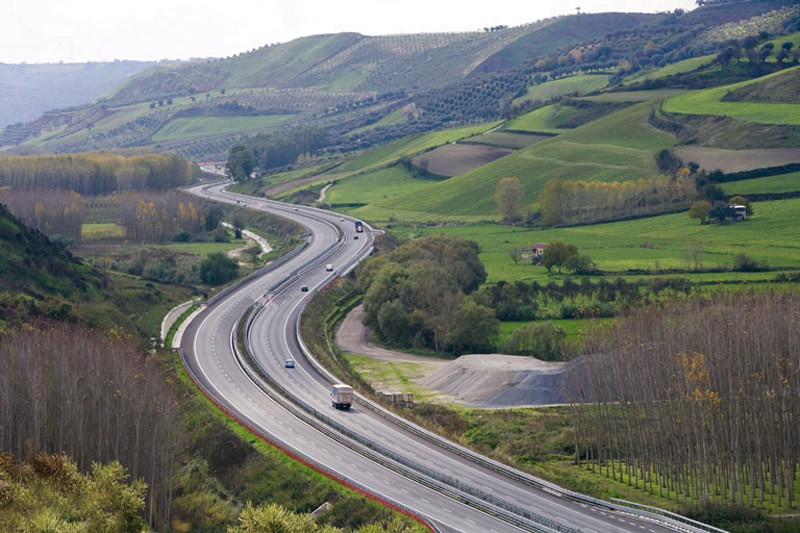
(674, 520)
(308, 460)
(382, 455)
(674, 516)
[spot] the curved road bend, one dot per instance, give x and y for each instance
(209, 355)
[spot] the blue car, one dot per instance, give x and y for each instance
(289, 363)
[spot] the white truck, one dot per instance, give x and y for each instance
(341, 396)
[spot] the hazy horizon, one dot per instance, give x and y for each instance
(81, 31)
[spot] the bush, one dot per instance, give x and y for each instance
(181, 236)
(221, 235)
(540, 339)
(218, 268)
(744, 263)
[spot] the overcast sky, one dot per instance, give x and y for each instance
(40, 31)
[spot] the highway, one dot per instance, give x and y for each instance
(363, 447)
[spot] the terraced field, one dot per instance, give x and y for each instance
(187, 127)
(687, 65)
(737, 160)
(581, 84)
(709, 102)
(767, 185)
(505, 139)
(538, 120)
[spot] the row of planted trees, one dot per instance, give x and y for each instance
(95, 174)
(584, 202)
(67, 390)
(145, 218)
(698, 401)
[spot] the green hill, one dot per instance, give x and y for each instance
(749, 106)
(561, 34)
(370, 90)
(621, 146)
(36, 275)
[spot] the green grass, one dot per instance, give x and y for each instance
(581, 84)
(409, 146)
(687, 65)
(620, 146)
(205, 248)
(399, 376)
(663, 242)
(505, 139)
(379, 184)
(766, 185)
(708, 102)
(634, 96)
(397, 116)
(574, 328)
(187, 127)
(538, 120)
(91, 232)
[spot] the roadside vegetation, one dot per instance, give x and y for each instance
(614, 139)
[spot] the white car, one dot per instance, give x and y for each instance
(329, 267)
(289, 363)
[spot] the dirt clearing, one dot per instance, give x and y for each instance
(478, 380)
(737, 160)
(454, 159)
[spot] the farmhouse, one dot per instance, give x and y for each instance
(738, 212)
(533, 254)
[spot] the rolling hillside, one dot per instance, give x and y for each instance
(370, 90)
(621, 146)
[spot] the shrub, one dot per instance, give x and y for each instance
(217, 269)
(540, 339)
(181, 236)
(744, 263)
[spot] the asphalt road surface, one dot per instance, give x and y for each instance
(359, 447)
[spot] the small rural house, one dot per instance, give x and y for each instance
(533, 254)
(738, 212)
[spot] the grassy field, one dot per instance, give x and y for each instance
(708, 102)
(634, 96)
(186, 127)
(409, 146)
(505, 139)
(538, 120)
(621, 146)
(91, 232)
(574, 328)
(655, 243)
(687, 65)
(581, 84)
(767, 185)
(373, 186)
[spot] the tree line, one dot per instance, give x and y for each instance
(94, 174)
(697, 400)
(584, 202)
(151, 218)
(417, 296)
(64, 389)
